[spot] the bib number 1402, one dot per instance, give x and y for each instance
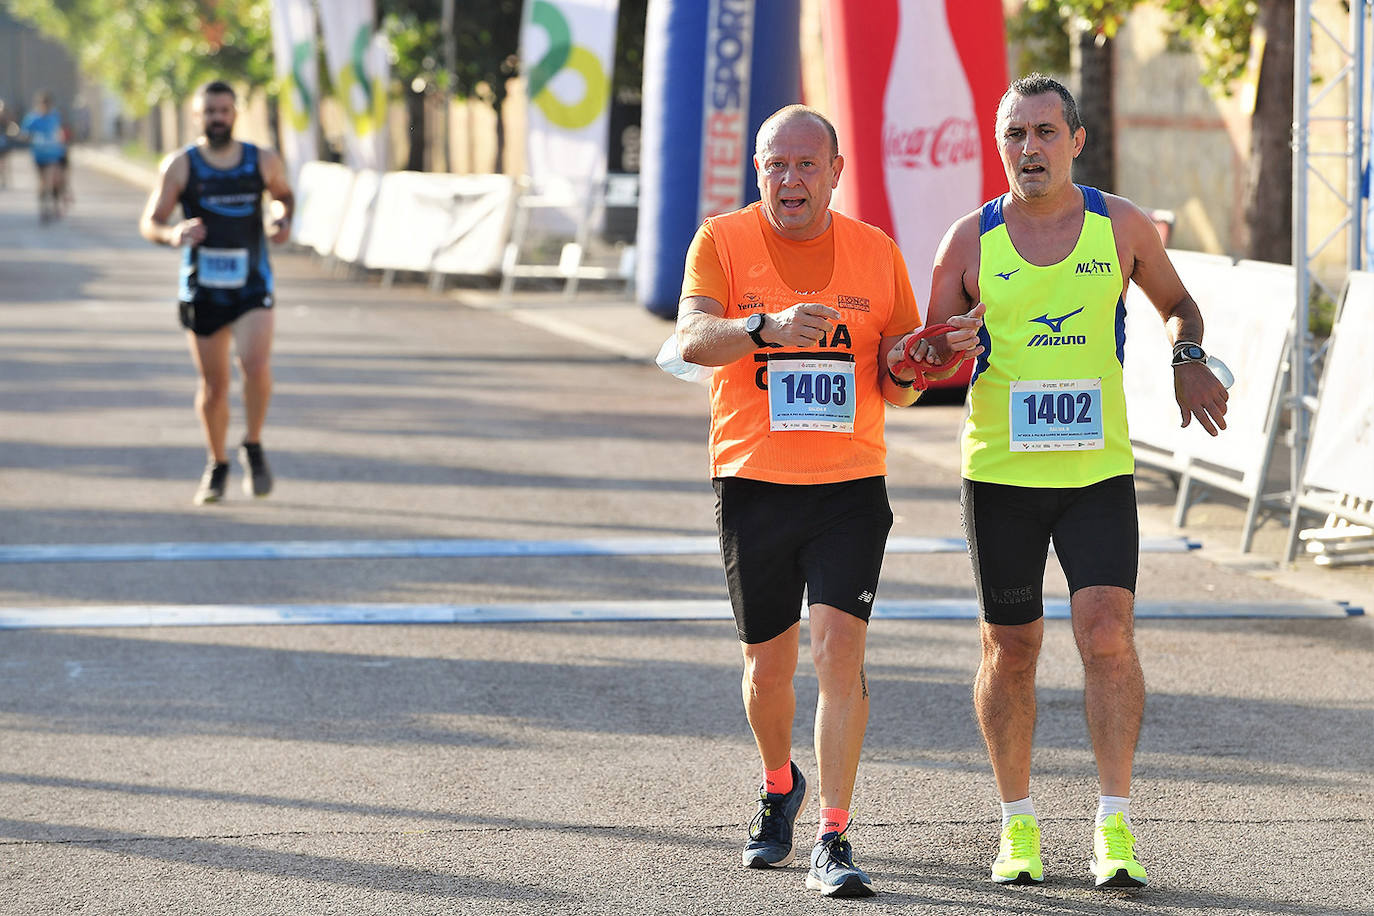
(1058, 408)
(1056, 415)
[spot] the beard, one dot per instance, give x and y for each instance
(218, 135)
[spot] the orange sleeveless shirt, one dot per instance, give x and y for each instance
(864, 288)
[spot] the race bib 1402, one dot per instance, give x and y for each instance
(1056, 415)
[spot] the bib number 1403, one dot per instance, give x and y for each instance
(819, 388)
(811, 393)
(1056, 415)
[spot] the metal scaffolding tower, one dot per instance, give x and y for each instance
(1314, 95)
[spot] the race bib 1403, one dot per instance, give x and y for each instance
(811, 393)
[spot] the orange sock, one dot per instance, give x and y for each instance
(833, 820)
(779, 781)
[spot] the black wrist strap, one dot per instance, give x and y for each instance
(900, 383)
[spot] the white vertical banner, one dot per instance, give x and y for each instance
(293, 49)
(356, 55)
(567, 49)
(725, 142)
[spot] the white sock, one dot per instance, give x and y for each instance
(1011, 809)
(1107, 805)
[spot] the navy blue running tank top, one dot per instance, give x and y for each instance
(230, 267)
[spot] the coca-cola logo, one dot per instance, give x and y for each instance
(951, 142)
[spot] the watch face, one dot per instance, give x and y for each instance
(1194, 352)
(753, 322)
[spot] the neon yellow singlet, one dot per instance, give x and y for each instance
(1048, 408)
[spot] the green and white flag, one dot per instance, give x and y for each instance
(293, 47)
(356, 54)
(567, 51)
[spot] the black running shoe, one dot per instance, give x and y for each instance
(212, 483)
(833, 871)
(770, 832)
(257, 476)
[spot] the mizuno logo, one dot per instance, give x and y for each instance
(1007, 275)
(1055, 324)
(1057, 340)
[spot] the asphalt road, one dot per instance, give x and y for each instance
(588, 767)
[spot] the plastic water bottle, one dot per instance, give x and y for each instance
(1221, 371)
(932, 151)
(671, 362)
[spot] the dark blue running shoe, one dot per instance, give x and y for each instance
(833, 871)
(770, 832)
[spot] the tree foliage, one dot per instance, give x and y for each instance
(487, 45)
(486, 39)
(1217, 30)
(158, 50)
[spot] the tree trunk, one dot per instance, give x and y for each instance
(1096, 165)
(1269, 181)
(415, 110)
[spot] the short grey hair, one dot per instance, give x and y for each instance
(1039, 84)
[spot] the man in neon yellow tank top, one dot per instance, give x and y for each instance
(1046, 454)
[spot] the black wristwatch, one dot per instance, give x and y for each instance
(754, 325)
(1185, 351)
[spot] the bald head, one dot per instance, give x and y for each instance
(787, 115)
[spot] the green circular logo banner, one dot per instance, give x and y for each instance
(572, 114)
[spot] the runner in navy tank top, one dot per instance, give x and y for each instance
(229, 272)
(226, 295)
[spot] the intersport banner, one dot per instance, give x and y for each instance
(914, 92)
(714, 70)
(293, 50)
(568, 50)
(356, 55)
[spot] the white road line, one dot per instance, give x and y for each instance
(444, 547)
(170, 615)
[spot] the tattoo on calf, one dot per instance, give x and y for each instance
(863, 683)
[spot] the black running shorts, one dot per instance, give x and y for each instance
(1096, 536)
(205, 319)
(780, 539)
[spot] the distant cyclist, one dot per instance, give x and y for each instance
(226, 294)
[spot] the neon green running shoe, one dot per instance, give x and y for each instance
(1114, 863)
(1018, 856)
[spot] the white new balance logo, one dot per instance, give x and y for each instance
(866, 597)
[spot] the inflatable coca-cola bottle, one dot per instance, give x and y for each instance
(914, 89)
(932, 161)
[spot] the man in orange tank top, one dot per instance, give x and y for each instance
(805, 313)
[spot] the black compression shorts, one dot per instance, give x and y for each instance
(780, 539)
(1096, 536)
(204, 320)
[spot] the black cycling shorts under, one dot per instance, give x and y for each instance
(204, 320)
(780, 539)
(1096, 536)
